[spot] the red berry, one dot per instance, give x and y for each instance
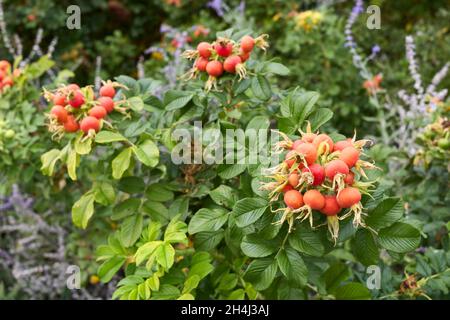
(204, 49)
(107, 103)
(59, 99)
(293, 199)
(90, 123)
(71, 125)
(293, 179)
(308, 151)
(107, 91)
(296, 144)
(223, 49)
(314, 199)
(5, 65)
(323, 138)
(341, 145)
(60, 113)
(8, 81)
(77, 99)
(247, 43)
(349, 178)
(350, 156)
(244, 55)
(290, 158)
(331, 207)
(309, 137)
(318, 173)
(230, 63)
(348, 197)
(334, 167)
(287, 188)
(214, 68)
(201, 63)
(73, 87)
(98, 112)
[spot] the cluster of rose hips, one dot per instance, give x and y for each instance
(7, 75)
(223, 55)
(76, 108)
(320, 175)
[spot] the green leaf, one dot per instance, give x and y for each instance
(158, 192)
(230, 171)
(223, 195)
(147, 153)
(306, 240)
(335, 275)
(157, 211)
(83, 209)
(399, 237)
(352, 291)
(165, 255)
(49, 160)
(131, 230)
(104, 193)
(255, 246)
(276, 68)
(186, 296)
(385, 213)
(292, 266)
(145, 251)
(208, 220)
(320, 117)
(166, 292)
(110, 267)
(105, 136)
(136, 103)
(261, 273)
(261, 88)
(174, 100)
(175, 231)
(208, 240)
(238, 294)
(191, 283)
(72, 162)
(121, 163)
(126, 208)
(82, 144)
(365, 247)
(249, 210)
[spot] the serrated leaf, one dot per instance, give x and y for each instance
(207, 220)
(292, 266)
(261, 273)
(49, 160)
(256, 247)
(110, 267)
(131, 230)
(121, 163)
(105, 136)
(249, 210)
(307, 241)
(174, 100)
(365, 247)
(165, 255)
(320, 117)
(261, 87)
(352, 291)
(399, 237)
(147, 153)
(385, 213)
(83, 209)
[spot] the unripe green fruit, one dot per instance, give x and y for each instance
(9, 134)
(444, 143)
